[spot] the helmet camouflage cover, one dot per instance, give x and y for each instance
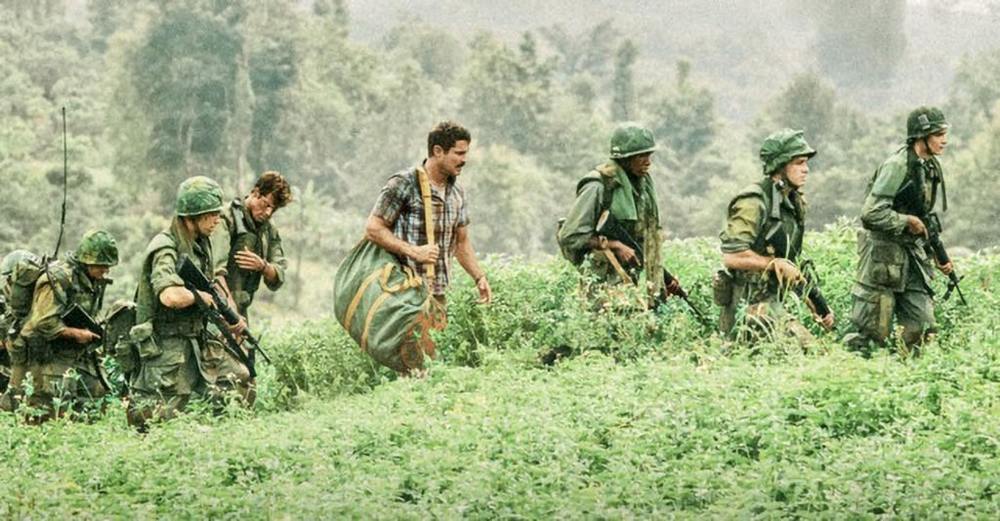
(97, 248)
(924, 121)
(631, 139)
(781, 147)
(198, 195)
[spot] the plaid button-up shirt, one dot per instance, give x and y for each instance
(400, 205)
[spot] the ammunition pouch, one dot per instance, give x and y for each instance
(37, 351)
(190, 323)
(143, 341)
(888, 261)
(883, 260)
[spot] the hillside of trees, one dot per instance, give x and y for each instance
(158, 91)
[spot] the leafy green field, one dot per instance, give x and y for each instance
(652, 418)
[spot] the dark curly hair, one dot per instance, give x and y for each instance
(445, 134)
(274, 183)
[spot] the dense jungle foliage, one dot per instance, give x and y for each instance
(157, 91)
(649, 416)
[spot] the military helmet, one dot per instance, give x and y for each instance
(13, 258)
(97, 248)
(924, 121)
(198, 195)
(781, 147)
(631, 139)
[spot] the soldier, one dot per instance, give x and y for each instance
(8, 320)
(247, 246)
(247, 249)
(762, 243)
(894, 270)
(396, 224)
(177, 357)
(56, 353)
(623, 188)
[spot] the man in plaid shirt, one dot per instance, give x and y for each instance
(397, 221)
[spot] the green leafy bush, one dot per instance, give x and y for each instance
(649, 417)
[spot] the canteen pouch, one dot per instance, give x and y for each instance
(144, 341)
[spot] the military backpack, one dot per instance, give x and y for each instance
(576, 257)
(19, 291)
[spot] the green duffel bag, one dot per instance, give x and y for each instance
(385, 307)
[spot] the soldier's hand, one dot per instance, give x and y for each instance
(81, 336)
(915, 226)
(238, 328)
(249, 260)
(946, 268)
(827, 321)
(206, 297)
(425, 254)
(788, 274)
(674, 287)
(625, 254)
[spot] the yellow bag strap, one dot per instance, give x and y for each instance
(425, 196)
(353, 308)
(368, 320)
(411, 280)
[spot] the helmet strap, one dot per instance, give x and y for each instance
(922, 154)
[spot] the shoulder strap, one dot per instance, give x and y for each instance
(938, 180)
(58, 285)
(608, 183)
(160, 240)
(425, 197)
(238, 226)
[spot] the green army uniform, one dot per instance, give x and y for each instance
(631, 200)
(895, 266)
(8, 320)
(236, 232)
(177, 357)
(60, 368)
(768, 219)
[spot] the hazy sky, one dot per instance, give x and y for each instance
(744, 50)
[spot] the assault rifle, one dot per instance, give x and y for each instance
(933, 225)
(808, 289)
(813, 295)
(76, 317)
(609, 227)
(220, 314)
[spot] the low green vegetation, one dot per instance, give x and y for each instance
(652, 416)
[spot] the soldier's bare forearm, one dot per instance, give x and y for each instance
(377, 231)
(466, 255)
(746, 260)
(176, 297)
